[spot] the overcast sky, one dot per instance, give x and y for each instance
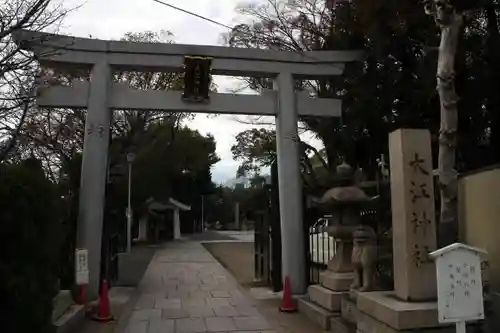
(111, 19)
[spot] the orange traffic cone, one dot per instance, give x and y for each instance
(83, 295)
(287, 304)
(103, 312)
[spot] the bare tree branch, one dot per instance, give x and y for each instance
(18, 68)
(12, 142)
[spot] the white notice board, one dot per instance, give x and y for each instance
(459, 283)
(81, 266)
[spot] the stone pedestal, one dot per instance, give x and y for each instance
(349, 313)
(341, 261)
(400, 315)
(327, 298)
(335, 282)
(339, 275)
(321, 305)
(349, 310)
(339, 282)
(324, 302)
(404, 316)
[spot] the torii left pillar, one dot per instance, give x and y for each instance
(290, 187)
(94, 172)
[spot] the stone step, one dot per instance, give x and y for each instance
(327, 298)
(62, 302)
(349, 310)
(315, 312)
(340, 325)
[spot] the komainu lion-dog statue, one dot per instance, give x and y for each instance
(364, 257)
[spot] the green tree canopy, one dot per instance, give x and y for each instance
(394, 86)
(255, 148)
(29, 251)
(175, 163)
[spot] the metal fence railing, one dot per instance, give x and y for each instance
(321, 248)
(115, 247)
(262, 255)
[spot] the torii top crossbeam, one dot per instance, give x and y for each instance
(53, 49)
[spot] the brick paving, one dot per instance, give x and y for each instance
(185, 290)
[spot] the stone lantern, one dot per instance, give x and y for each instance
(344, 202)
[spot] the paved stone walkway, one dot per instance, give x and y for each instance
(185, 290)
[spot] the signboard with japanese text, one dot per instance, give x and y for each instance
(81, 266)
(459, 283)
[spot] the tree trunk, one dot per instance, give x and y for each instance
(448, 130)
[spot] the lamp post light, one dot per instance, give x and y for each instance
(130, 160)
(202, 213)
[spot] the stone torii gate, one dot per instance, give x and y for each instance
(100, 96)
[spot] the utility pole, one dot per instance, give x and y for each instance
(237, 215)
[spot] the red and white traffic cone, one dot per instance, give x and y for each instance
(287, 304)
(83, 295)
(103, 311)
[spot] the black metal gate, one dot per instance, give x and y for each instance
(274, 213)
(113, 240)
(317, 244)
(267, 246)
(112, 244)
(262, 248)
(267, 237)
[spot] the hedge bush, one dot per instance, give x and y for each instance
(29, 248)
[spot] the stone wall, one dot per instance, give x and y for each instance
(479, 217)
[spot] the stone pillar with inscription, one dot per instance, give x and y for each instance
(412, 304)
(413, 214)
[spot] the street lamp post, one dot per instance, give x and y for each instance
(130, 159)
(202, 213)
(185, 172)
